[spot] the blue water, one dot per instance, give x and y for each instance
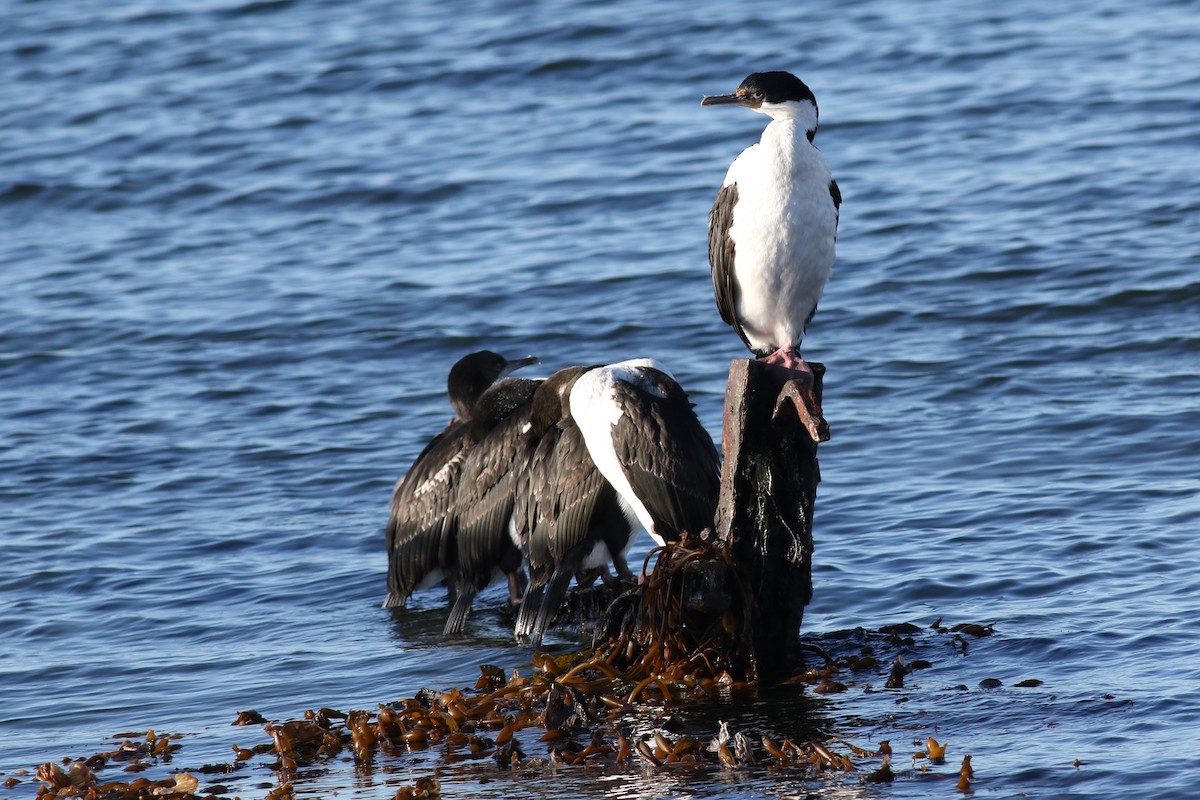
(243, 242)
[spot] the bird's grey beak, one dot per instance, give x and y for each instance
(725, 100)
(516, 364)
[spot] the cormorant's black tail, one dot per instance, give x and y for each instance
(530, 602)
(552, 596)
(462, 607)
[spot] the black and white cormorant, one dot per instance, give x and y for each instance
(423, 499)
(772, 229)
(483, 548)
(644, 436)
(568, 517)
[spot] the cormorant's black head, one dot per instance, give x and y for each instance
(472, 374)
(777, 94)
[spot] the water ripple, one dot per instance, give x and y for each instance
(246, 238)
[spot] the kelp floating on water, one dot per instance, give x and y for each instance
(580, 709)
(677, 643)
(137, 751)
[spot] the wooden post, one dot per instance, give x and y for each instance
(768, 487)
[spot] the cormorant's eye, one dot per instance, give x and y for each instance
(756, 95)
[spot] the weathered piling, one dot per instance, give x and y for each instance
(769, 479)
(729, 601)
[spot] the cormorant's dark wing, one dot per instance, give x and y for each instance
(415, 533)
(668, 457)
(533, 520)
(533, 514)
(577, 487)
(565, 490)
(483, 506)
(835, 194)
(720, 257)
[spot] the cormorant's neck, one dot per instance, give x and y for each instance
(799, 116)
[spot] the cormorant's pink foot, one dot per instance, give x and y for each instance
(788, 360)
